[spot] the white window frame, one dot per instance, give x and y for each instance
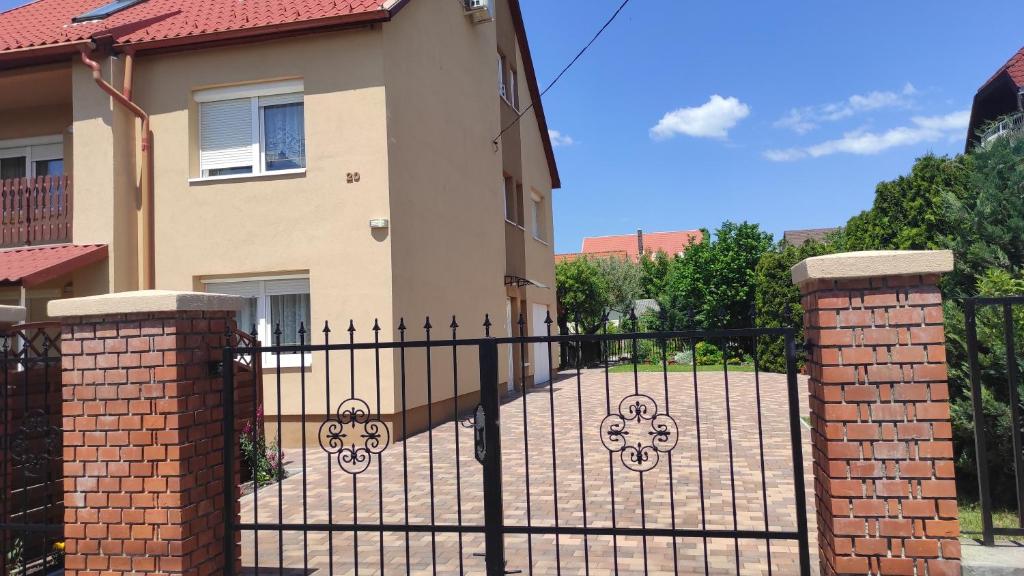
(33, 150)
(539, 220)
(513, 81)
(264, 328)
(502, 78)
(285, 92)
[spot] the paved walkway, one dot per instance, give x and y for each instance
(583, 477)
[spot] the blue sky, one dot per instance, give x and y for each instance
(784, 113)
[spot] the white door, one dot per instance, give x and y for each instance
(510, 386)
(541, 363)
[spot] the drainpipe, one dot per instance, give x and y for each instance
(146, 257)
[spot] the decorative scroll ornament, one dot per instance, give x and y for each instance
(639, 433)
(36, 443)
(354, 436)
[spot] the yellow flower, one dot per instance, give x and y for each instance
(59, 546)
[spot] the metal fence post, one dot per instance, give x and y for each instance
(793, 385)
(981, 454)
(228, 370)
(493, 504)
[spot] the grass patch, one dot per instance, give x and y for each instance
(970, 520)
(628, 368)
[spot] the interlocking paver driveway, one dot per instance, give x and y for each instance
(586, 477)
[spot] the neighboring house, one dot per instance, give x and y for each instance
(999, 104)
(801, 237)
(326, 159)
(631, 246)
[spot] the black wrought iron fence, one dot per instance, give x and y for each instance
(31, 454)
(441, 454)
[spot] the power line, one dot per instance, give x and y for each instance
(564, 70)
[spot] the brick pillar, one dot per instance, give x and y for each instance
(883, 450)
(143, 438)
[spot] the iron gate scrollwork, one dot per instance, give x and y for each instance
(639, 433)
(354, 436)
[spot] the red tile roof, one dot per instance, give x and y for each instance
(1014, 68)
(48, 22)
(670, 243)
(31, 266)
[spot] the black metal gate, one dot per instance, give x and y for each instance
(31, 457)
(681, 457)
(1001, 375)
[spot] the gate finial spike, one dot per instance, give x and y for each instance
(547, 319)
(454, 324)
(351, 326)
(487, 325)
(327, 327)
(401, 324)
(427, 326)
(376, 325)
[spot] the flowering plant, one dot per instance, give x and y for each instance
(263, 460)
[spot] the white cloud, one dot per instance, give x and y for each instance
(803, 120)
(864, 143)
(558, 139)
(713, 119)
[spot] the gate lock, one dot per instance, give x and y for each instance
(480, 434)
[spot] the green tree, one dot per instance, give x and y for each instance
(623, 283)
(989, 222)
(712, 284)
(653, 273)
(582, 294)
(777, 299)
(910, 213)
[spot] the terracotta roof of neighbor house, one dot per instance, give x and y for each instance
(1014, 68)
(670, 243)
(48, 22)
(799, 237)
(34, 265)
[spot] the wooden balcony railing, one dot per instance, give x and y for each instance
(35, 211)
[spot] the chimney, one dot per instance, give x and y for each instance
(639, 243)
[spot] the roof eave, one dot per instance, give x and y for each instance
(531, 81)
(271, 32)
(40, 55)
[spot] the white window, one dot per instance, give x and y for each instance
(32, 157)
(502, 67)
(510, 200)
(254, 129)
(538, 217)
(513, 88)
(271, 304)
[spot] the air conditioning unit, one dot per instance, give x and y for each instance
(479, 11)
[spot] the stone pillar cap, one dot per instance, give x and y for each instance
(877, 263)
(144, 301)
(12, 314)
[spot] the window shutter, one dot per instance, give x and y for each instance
(225, 129)
(287, 286)
(278, 99)
(243, 289)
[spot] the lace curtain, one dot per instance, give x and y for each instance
(285, 136)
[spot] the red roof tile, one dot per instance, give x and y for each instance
(48, 22)
(670, 243)
(1014, 68)
(31, 266)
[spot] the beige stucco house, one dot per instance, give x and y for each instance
(329, 160)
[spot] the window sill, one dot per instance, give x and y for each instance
(262, 176)
(542, 241)
(511, 223)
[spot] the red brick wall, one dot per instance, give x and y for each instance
(143, 444)
(883, 451)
